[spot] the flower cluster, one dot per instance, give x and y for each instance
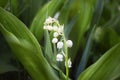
(51, 24)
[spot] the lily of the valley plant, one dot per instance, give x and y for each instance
(82, 41)
(60, 43)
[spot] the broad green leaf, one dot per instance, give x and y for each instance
(25, 47)
(48, 48)
(48, 10)
(106, 68)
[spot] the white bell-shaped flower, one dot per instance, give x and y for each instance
(69, 63)
(54, 40)
(50, 28)
(55, 34)
(55, 28)
(48, 20)
(59, 45)
(59, 57)
(60, 29)
(69, 43)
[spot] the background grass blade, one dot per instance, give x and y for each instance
(94, 22)
(64, 12)
(97, 12)
(25, 47)
(85, 56)
(106, 68)
(85, 9)
(70, 25)
(48, 10)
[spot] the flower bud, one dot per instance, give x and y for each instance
(55, 34)
(60, 29)
(50, 28)
(59, 45)
(69, 43)
(59, 57)
(54, 40)
(69, 63)
(55, 28)
(48, 20)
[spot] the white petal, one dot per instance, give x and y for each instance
(69, 63)
(55, 34)
(69, 43)
(48, 20)
(54, 40)
(49, 27)
(55, 28)
(59, 45)
(59, 57)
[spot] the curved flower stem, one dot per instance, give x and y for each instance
(55, 51)
(66, 53)
(66, 57)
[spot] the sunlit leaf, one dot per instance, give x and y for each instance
(25, 47)
(106, 68)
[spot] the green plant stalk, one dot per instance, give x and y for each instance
(55, 51)
(66, 57)
(66, 54)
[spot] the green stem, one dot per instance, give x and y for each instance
(55, 51)
(67, 70)
(66, 54)
(66, 58)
